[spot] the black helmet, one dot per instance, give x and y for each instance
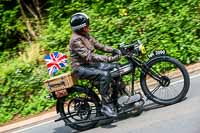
(78, 21)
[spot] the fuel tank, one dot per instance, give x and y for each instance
(122, 70)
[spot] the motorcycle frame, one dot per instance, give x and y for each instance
(143, 69)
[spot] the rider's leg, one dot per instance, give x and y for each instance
(104, 78)
(107, 66)
(107, 107)
(119, 83)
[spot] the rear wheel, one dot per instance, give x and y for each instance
(174, 81)
(83, 106)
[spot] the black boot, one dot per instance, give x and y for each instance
(108, 108)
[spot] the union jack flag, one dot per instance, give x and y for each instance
(55, 61)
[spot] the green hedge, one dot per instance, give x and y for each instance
(171, 25)
(160, 24)
(22, 90)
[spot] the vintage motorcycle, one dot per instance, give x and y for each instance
(163, 80)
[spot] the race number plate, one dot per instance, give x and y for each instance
(157, 52)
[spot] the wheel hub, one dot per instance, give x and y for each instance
(165, 81)
(83, 109)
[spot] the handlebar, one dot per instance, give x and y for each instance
(135, 48)
(123, 45)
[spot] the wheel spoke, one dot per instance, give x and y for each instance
(80, 108)
(174, 82)
(155, 89)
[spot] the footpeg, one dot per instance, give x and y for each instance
(124, 100)
(134, 98)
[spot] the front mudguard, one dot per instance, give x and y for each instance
(151, 60)
(148, 64)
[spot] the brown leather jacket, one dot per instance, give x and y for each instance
(82, 50)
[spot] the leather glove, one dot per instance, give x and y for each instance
(114, 58)
(116, 52)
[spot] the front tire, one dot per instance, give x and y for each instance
(176, 78)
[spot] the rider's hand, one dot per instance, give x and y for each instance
(114, 58)
(117, 52)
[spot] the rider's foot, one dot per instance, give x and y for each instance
(108, 110)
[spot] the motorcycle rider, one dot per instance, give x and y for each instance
(86, 64)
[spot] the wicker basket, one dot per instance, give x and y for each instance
(60, 82)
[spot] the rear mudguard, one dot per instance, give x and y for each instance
(72, 90)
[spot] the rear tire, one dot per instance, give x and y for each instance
(84, 105)
(174, 73)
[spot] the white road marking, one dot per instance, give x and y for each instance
(191, 77)
(21, 130)
(194, 76)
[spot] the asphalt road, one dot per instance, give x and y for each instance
(183, 117)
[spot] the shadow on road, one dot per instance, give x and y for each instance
(60, 130)
(64, 129)
(109, 123)
(152, 106)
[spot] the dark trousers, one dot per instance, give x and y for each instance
(97, 72)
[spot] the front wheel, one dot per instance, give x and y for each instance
(174, 81)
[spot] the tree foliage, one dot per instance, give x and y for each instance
(31, 28)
